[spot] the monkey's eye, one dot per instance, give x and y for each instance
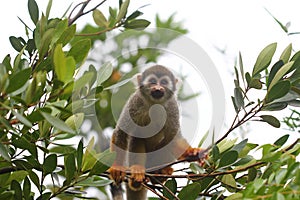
(152, 81)
(164, 82)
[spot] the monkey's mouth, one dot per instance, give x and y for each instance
(157, 94)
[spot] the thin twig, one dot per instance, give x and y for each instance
(245, 118)
(81, 12)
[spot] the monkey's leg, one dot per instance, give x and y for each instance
(137, 160)
(118, 145)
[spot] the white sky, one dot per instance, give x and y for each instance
(233, 25)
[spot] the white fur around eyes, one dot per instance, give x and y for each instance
(148, 78)
(158, 80)
(169, 84)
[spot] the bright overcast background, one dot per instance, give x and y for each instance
(230, 26)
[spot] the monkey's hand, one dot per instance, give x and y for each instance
(194, 154)
(117, 173)
(137, 177)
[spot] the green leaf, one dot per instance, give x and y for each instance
(26, 188)
(103, 163)
(190, 192)
(50, 164)
(48, 9)
(264, 59)
(244, 160)
(104, 72)
(23, 143)
(281, 72)
(258, 183)
(229, 180)
(280, 89)
(252, 173)
(16, 43)
(238, 97)
(282, 140)
(295, 103)
(172, 186)
(226, 144)
(22, 164)
(75, 121)
(235, 196)
(274, 70)
(273, 121)
(255, 83)
(80, 50)
(286, 54)
(100, 19)
(64, 67)
(18, 80)
(22, 119)
(57, 123)
(33, 11)
(59, 30)
(228, 158)
(247, 149)
(234, 104)
(67, 35)
(70, 167)
(138, 24)
(134, 15)
(45, 196)
(240, 146)
(17, 189)
(196, 168)
(79, 154)
(215, 153)
(275, 106)
(93, 182)
(296, 59)
(248, 78)
(34, 178)
(45, 42)
(4, 152)
(122, 11)
(284, 28)
(241, 66)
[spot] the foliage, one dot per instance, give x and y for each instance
(43, 105)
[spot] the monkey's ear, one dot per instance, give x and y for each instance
(137, 79)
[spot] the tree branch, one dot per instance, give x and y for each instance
(196, 176)
(81, 12)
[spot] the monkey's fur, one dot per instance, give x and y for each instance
(156, 86)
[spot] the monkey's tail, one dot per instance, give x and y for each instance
(136, 195)
(116, 191)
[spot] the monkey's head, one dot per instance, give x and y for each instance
(157, 84)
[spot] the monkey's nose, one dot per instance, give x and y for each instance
(157, 93)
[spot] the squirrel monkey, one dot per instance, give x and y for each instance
(148, 132)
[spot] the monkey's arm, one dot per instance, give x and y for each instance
(119, 145)
(183, 148)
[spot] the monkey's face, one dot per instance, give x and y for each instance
(158, 89)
